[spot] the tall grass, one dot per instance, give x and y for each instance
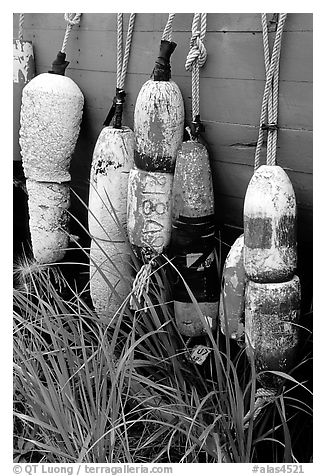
(89, 389)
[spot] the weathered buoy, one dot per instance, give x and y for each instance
(272, 313)
(232, 296)
(193, 239)
(270, 226)
(24, 71)
(149, 211)
(51, 113)
(48, 205)
(111, 164)
(159, 117)
(109, 263)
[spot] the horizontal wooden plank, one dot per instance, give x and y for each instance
(156, 21)
(236, 143)
(232, 180)
(231, 55)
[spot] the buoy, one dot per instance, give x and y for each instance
(111, 163)
(48, 204)
(232, 296)
(271, 320)
(193, 239)
(23, 72)
(51, 113)
(109, 263)
(159, 117)
(107, 217)
(149, 211)
(270, 226)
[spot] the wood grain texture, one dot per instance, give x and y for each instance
(231, 90)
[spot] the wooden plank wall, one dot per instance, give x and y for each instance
(231, 89)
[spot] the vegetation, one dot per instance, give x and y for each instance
(125, 389)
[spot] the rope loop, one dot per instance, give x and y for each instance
(270, 96)
(71, 19)
(141, 283)
(197, 52)
(262, 396)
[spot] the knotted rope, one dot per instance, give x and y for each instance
(20, 26)
(262, 396)
(167, 33)
(270, 72)
(196, 58)
(71, 19)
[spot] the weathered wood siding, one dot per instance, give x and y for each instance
(232, 83)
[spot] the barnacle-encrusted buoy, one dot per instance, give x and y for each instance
(149, 211)
(272, 313)
(48, 205)
(270, 226)
(24, 71)
(51, 113)
(231, 309)
(159, 117)
(193, 240)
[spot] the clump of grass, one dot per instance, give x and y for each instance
(89, 389)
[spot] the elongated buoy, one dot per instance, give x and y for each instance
(159, 117)
(110, 270)
(271, 317)
(149, 211)
(23, 72)
(232, 297)
(193, 240)
(51, 113)
(48, 204)
(270, 226)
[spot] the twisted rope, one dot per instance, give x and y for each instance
(140, 284)
(167, 33)
(123, 71)
(273, 65)
(196, 57)
(119, 46)
(71, 19)
(262, 396)
(20, 26)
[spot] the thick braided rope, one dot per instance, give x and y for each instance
(119, 46)
(20, 26)
(262, 396)
(269, 78)
(167, 33)
(71, 19)
(123, 72)
(196, 57)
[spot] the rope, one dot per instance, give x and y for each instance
(273, 65)
(196, 58)
(20, 26)
(167, 33)
(119, 46)
(140, 284)
(71, 19)
(123, 71)
(262, 396)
